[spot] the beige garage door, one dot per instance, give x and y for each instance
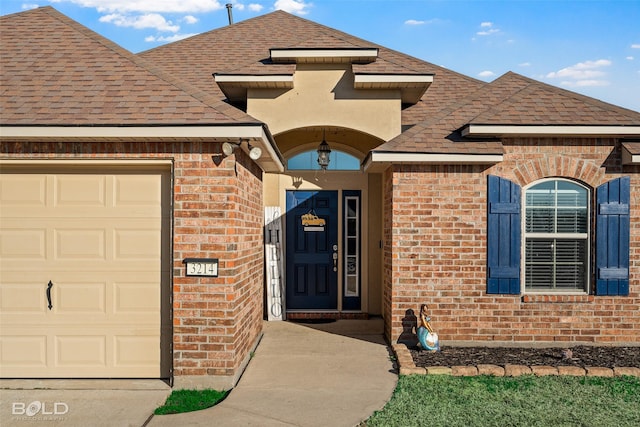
(81, 273)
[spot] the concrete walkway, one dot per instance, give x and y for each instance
(334, 374)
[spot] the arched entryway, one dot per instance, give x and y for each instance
(331, 224)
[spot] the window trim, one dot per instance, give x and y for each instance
(588, 236)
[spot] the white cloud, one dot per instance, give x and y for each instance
(190, 19)
(151, 20)
(298, 7)
(487, 29)
(585, 83)
(524, 64)
(255, 7)
(588, 73)
(150, 6)
(165, 39)
(28, 6)
(635, 46)
(486, 73)
(630, 58)
(414, 22)
(582, 70)
(488, 32)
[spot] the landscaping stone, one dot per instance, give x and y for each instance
(438, 370)
(575, 371)
(412, 371)
(397, 348)
(594, 371)
(540, 371)
(631, 371)
(464, 371)
(516, 370)
(495, 370)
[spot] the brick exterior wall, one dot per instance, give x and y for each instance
(435, 250)
(217, 213)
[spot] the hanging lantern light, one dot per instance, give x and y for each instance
(323, 153)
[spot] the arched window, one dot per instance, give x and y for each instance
(339, 160)
(556, 247)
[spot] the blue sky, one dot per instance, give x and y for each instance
(588, 46)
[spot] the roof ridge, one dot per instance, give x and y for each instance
(213, 30)
(490, 85)
(346, 36)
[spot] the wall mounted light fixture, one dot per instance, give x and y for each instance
(254, 152)
(228, 148)
(323, 153)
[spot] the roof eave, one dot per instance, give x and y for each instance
(377, 161)
(485, 130)
(412, 86)
(257, 133)
(329, 55)
(235, 86)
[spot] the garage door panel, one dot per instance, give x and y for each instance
(137, 244)
(81, 351)
(139, 351)
(99, 239)
(23, 351)
(22, 298)
(85, 298)
(78, 243)
(136, 298)
(17, 242)
(138, 190)
(80, 191)
(23, 190)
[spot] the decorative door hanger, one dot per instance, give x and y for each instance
(311, 222)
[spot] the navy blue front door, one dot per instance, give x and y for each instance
(312, 250)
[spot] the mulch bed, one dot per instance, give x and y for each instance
(582, 356)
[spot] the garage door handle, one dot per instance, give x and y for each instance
(49, 286)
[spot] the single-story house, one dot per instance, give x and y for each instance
(156, 207)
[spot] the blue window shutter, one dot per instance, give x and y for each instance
(503, 236)
(613, 201)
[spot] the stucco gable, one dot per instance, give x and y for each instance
(243, 48)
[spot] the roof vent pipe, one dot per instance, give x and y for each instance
(229, 6)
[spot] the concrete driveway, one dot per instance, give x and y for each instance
(108, 403)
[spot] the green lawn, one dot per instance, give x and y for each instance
(439, 400)
(190, 400)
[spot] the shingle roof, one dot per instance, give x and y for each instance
(511, 99)
(57, 72)
(539, 103)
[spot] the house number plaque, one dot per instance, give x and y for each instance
(201, 267)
